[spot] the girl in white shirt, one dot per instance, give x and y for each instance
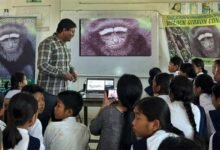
(198, 66)
(184, 114)
(152, 123)
(22, 113)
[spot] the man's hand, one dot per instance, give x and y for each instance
(69, 77)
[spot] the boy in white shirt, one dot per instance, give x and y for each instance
(67, 134)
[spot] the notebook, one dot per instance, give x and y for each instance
(95, 87)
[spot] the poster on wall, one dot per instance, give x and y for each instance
(115, 37)
(17, 47)
(193, 36)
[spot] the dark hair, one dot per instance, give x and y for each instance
(176, 60)
(1, 101)
(15, 79)
(163, 80)
(65, 24)
(217, 62)
(199, 63)
(216, 90)
(129, 89)
(181, 90)
(32, 89)
(21, 109)
(155, 108)
(205, 82)
(153, 72)
(71, 100)
(178, 143)
(188, 69)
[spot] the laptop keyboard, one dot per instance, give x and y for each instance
(94, 95)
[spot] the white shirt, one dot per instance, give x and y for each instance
(11, 93)
(2, 125)
(67, 135)
(205, 101)
(36, 131)
(23, 143)
(155, 140)
(166, 98)
(180, 120)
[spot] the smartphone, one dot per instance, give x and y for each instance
(112, 94)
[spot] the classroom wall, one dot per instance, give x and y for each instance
(57, 6)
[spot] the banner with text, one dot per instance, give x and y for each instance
(193, 36)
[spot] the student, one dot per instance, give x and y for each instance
(1, 140)
(2, 110)
(152, 73)
(186, 69)
(179, 143)
(181, 107)
(22, 113)
(67, 134)
(215, 118)
(216, 70)
(198, 66)
(114, 120)
(174, 65)
(152, 123)
(202, 88)
(18, 81)
(38, 93)
(161, 84)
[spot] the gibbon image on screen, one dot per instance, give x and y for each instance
(115, 37)
(17, 53)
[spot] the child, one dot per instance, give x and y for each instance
(18, 81)
(152, 123)
(2, 124)
(114, 120)
(161, 84)
(22, 113)
(215, 118)
(174, 65)
(216, 70)
(181, 106)
(198, 66)
(202, 88)
(153, 72)
(186, 69)
(38, 93)
(67, 134)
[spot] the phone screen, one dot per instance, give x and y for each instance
(112, 94)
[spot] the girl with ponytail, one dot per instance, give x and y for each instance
(152, 123)
(22, 113)
(113, 122)
(199, 66)
(184, 114)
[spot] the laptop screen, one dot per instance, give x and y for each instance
(98, 84)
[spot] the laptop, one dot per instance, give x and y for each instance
(95, 87)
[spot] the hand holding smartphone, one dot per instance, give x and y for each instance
(112, 94)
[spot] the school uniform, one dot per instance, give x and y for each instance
(67, 134)
(205, 100)
(152, 142)
(166, 98)
(215, 138)
(2, 125)
(27, 142)
(36, 131)
(180, 120)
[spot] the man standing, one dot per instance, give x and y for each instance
(54, 66)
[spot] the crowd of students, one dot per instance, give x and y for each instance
(180, 110)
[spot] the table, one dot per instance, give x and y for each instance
(90, 102)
